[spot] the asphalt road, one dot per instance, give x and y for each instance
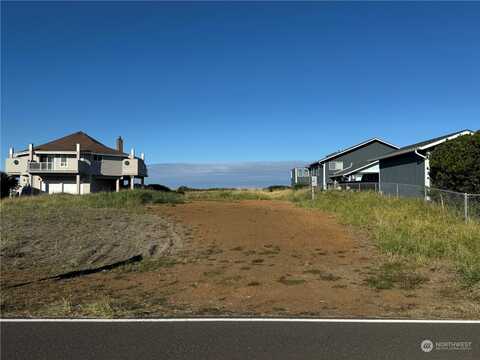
(234, 340)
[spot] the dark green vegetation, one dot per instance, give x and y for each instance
(157, 187)
(276, 188)
(6, 183)
(455, 164)
(418, 232)
(183, 189)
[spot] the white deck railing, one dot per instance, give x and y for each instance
(69, 165)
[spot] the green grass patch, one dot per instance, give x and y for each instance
(410, 228)
(395, 274)
(128, 199)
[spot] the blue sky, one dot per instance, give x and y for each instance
(238, 82)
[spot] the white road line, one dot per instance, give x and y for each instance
(273, 320)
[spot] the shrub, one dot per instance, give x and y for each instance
(157, 187)
(300, 186)
(455, 164)
(277, 187)
(7, 183)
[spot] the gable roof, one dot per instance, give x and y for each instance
(351, 148)
(423, 145)
(69, 143)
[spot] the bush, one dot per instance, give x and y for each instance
(277, 187)
(455, 164)
(157, 187)
(300, 186)
(7, 183)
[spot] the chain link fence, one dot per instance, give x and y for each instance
(463, 205)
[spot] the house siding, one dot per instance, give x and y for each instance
(353, 157)
(408, 169)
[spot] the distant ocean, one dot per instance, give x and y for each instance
(253, 174)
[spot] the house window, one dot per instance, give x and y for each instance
(97, 157)
(63, 161)
(127, 162)
(335, 165)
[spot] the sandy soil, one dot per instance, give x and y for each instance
(264, 258)
(46, 244)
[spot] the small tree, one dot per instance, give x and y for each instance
(7, 183)
(455, 164)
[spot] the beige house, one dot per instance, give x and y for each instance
(75, 164)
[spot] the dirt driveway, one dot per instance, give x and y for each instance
(263, 258)
(273, 258)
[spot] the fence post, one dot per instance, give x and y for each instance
(313, 193)
(359, 187)
(466, 206)
(397, 192)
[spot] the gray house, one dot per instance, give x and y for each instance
(351, 164)
(409, 166)
(299, 176)
(75, 164)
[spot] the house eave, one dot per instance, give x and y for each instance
(340, 153)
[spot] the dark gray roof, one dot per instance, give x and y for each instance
(351, 148)
(359, 166)
(411, 148)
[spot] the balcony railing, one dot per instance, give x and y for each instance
(71, 165)
(40, 166)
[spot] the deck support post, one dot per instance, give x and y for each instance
(78, 184)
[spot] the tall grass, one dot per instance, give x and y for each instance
(131, 199)
(408, 227)
(236, 195)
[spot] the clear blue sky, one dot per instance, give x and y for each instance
(207, 82)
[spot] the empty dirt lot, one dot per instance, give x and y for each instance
(263, 258)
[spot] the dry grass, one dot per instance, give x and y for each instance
(410, 228)
(245, 194)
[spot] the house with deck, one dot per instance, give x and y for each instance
(300, 176)
(75, 164)
(406, 171)
(352, 164)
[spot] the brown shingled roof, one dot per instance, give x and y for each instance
(69, 143)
